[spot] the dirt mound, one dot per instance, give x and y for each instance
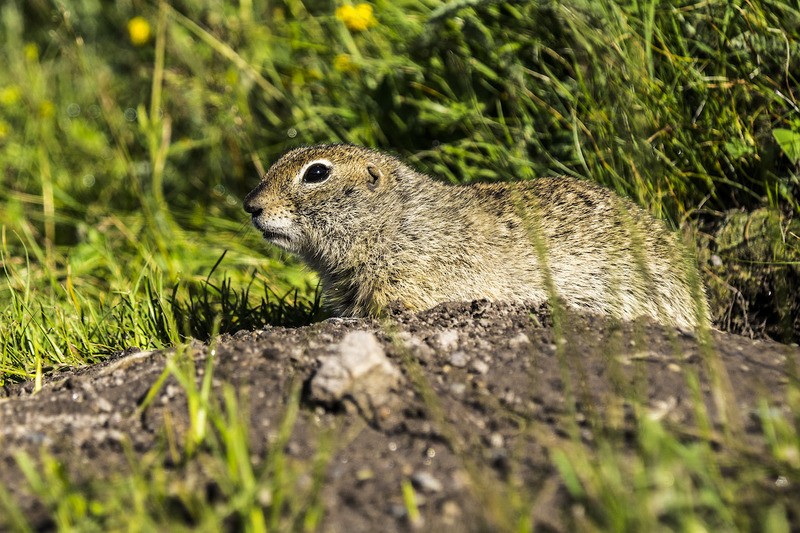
(456, 401)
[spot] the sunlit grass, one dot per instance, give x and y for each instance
(125, 159)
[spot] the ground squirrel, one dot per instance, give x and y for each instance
(378, 231)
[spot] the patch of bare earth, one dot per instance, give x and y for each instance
(461, 401)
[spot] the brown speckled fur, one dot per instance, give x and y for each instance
(410, 238)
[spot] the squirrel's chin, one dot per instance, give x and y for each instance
(281, 241)
(283, 237)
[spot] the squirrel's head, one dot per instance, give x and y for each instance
(315, 196)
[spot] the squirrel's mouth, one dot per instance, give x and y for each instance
(272, 236)
(283, 240)
(278, 234)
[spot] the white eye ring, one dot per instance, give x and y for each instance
(301, 176)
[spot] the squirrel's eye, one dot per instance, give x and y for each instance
(316, 173)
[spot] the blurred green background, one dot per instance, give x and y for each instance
(131, 130)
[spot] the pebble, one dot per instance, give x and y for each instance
(482, 345)
(458, 389)
(519, 341)
(293, 448)
(365, 474)
(479, 367)
(397, 510)
(420, 349)
(459, 359)
(447, 339)
(104, 405)
(264, 497)
(451, 513)
(496, 440)
(425, 482)
(359, 368)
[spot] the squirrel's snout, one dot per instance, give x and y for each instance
(250, 205)
(253, 209)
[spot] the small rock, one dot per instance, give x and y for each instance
(496, 440)
(364, 474)
(519, 341)
(479, 367)
(292, 448)
(37, 437)
(482, 345)
(458, 389)
(506, 355)
(451, 513)
(661, 408)
(345, 320)
(509, 397)
(104, 405)
(418, 348)
(116, 436)
(241, 334)
(447, 339)
(425, 482)
(459, 359)
(264, 497)
(359, 371)
(397, 510)
(296, 353)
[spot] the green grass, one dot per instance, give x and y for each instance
(123, 166)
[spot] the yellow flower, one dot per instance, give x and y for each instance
(357, 17)
(4, 129)
(344, 63)
(139, 31)
(31, 52)
(10, 95)
(232, 76)
(47, 109)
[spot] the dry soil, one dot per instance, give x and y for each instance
(486, 393)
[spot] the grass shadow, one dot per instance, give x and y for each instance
(201, 308)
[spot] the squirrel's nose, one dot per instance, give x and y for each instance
(249, 201)
(251, 208)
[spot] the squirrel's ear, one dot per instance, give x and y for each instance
(375, 176)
